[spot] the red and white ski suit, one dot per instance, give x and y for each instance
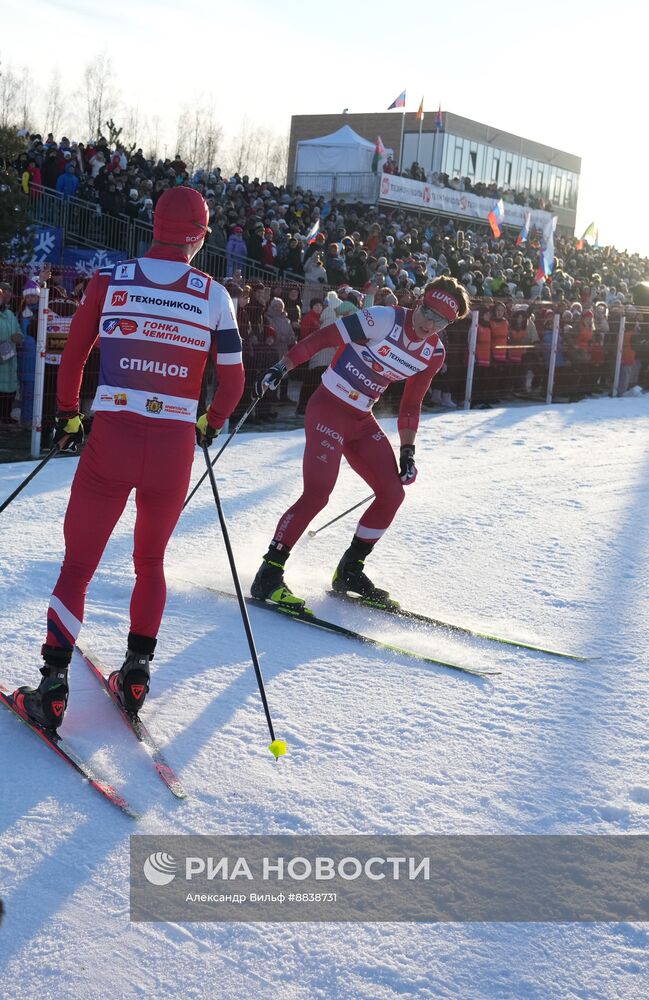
(377, 346)
(157, 318)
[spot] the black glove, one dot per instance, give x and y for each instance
(407, 467)
(205, 433)
(270, 379)
(68, 431)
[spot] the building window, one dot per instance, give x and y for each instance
(508, 171)
(457, 160)
(528, 178)
(473, 157)
(495, 169)
(568, 192)
(557, 187)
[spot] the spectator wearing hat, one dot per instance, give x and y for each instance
(255, 241)
(335, 265)
(268, 249)
(315, 277)
(293, 309)
(236, 250)
(630, 367)
(499, 344)
(482, 392)
(132, 207)
(28, 319)
(266, 354)
(10, 340)
(291, 258)
(277, 321)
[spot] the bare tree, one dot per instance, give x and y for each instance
(27, 88)
(278, 160)
(241, 149)
(9, 92)
(131, 135)
(152, 141)
(54, 107)
(259, 152)
(199, 136)
(100, 93)
(183, 130)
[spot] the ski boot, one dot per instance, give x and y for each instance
(349, 577)
(269, 584)
(130, 684)
(45, 705)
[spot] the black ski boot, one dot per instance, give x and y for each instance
(349, 577)
(131, 683)
(269, 584)
(46, 704)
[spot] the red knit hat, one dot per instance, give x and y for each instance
(181, 216)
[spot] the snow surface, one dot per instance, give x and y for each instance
(531, 522)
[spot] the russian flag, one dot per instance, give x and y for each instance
(398, 102)
(525, 231)
(546, 255)
(439, 121)
(313, 231)
(496, 216)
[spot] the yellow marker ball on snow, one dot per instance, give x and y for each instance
(278, 748)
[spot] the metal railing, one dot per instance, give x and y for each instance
(359, 186)
(84, 224)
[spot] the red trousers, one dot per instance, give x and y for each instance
(124, 452)
(333, 429)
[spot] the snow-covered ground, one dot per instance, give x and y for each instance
(531, 522)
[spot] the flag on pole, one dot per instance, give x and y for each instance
(496, 216)
(525, 231)
(546, 261)
(379, 154)
(420, 111)
(589, 232)
(439, 121)
(398, 102)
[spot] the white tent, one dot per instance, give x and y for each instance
(343, 151)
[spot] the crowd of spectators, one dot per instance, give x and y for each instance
(483, 190)
(293, 261)
(439, 179)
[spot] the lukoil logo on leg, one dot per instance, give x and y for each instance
(160, 868)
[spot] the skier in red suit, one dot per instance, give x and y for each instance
(157, 318)
(376, 346)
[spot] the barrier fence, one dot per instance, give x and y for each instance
(491, 360)
(84, 225)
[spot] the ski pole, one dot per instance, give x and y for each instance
(222, 449)
(277, 747)
(41, 465)
(312, 534)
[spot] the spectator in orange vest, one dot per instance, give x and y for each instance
(499, 344)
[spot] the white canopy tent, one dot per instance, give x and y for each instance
(343, 151)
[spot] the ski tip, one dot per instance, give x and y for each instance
(278, 748)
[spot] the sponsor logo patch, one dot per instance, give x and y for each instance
(125, 326)
(368, 359)
(120, 399)
(119, 299)
(197, 283)
(154, 405)
(125, 272)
